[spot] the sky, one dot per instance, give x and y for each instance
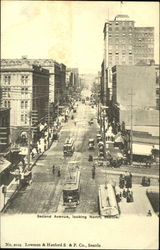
(67, 31)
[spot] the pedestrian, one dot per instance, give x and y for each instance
(93, 173)
(124, 193)
(149, 213)
(121, 181)
(59, 172)
(53, 169)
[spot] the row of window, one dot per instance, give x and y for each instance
(120, 35)
(118, 52)
(117, 41)
(7, 79)
(121, 22)
(117, 29)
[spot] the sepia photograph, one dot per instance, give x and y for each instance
(79, 124)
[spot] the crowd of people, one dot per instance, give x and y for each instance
(125, 185)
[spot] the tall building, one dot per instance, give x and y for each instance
(56, 78)
(127, 44)
(25, 90)
(124, 44)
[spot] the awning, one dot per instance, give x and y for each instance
(141, 149)
(23, 151)
(118, 138)
(4, 164)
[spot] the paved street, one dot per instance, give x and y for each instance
(44, 195)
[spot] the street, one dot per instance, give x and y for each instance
(44, 195)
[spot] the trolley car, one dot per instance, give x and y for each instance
(71, 189)
(108, 206)
(68, 148)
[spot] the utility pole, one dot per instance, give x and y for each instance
(104, 133)
(131, 129)
(29, 131)
(29, 137)
(104, 65)
(48, 120)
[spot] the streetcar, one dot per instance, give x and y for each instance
(108, 206)
(71, 189)
(68, 147)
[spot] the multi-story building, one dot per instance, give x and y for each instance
(157, 69)
(139, 83)
(56, 80)
(143, 48)
(4, 129)
(124, 44)
(25, 90)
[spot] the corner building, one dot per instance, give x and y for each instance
(25, 90)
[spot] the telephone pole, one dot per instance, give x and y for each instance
(131, 129)
(29, 138)
(48, 120)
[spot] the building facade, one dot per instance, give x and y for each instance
(124, 44)
(4, 129)
(57, 72)
(138, 83)
(25, 90)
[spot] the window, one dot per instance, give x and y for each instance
(157, 91)
(123, 58)
(5, 104)
(22, 118)
(24, 79)
(123, 52)
(123, 28)
(110, 29)
(130, 58)
(116, 23)
(117, 40)
(7, 79)
(110, 51)
(22, 104)
(130, 51)
(116, 29)
(24, 91)
(110, 35)
(117, 47)
(117, 52)
(26, 104)
(25, 121)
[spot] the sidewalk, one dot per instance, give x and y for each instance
(14, 185)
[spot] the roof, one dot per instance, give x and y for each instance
(4, 164)
(141, 149)
(107, 196)
(72, 180)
